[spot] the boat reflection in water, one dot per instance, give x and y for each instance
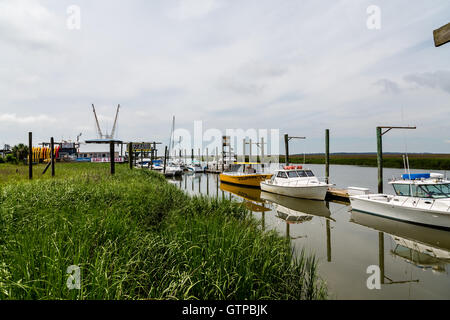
(424, 247)
(288, 209)
(296, 210)
(251, 196)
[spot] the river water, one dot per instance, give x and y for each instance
(413, 260)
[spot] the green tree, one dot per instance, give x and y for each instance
(20, 151)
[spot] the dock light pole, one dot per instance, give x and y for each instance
(327, 155)
(380, 134)
(287, 138)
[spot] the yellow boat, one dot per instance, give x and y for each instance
(247, 178)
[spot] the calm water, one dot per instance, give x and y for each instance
(414, 260)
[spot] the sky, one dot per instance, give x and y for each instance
(298, 66)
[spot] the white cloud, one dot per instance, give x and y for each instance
(12, 118)
(27, 24)
(300, 66)
(192, 9)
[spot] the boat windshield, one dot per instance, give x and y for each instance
(292, 174)
(301, 174)
(434, 191)
(309, 173)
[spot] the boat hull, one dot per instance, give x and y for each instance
(423, 217)
(304, 192)
(252, 180)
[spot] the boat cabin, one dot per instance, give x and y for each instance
(290, 172)
(423, 185)
(293, 174)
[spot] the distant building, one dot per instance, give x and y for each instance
(68, 151)
(6, 150)
(101, 156)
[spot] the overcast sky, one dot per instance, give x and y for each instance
(298, 66)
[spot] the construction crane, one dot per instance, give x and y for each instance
(99, 130)
(113, 131)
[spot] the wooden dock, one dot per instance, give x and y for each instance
(338, 194)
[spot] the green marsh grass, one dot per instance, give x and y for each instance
(135, 236)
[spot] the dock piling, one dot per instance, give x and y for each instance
(380, 159)
(165, 159)
(30, 155)
(130, 155)
(52, 155)
(112, 158)
(286, 146)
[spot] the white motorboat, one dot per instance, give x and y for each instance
(173, 170)
(294, 181)
(195, 167)
(422, 199)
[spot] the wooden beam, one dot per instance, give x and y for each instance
(442, 35)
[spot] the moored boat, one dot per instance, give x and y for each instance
(422, 199)
(294, 181)
(249, 177)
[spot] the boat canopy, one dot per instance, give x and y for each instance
(416, 176)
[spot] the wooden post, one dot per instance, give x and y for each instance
(30, 155)
(327, 155)
(381, 255)
(328, 240)
(217, 158)
(223, 157)
(112, 158)
(52, 157)
(286, 146)
(380, 159)
(165, 159)
(207, 159)
(130, 154)
(243, 149)
(262, 159)
(192, 156)
(151, 157)
(250, 151)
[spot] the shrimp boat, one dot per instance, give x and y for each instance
(249, 176)
(421, 199)
(294, 181)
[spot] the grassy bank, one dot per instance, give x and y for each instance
(134, 236)
(416, 161)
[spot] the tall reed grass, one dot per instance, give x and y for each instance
(134, 236)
